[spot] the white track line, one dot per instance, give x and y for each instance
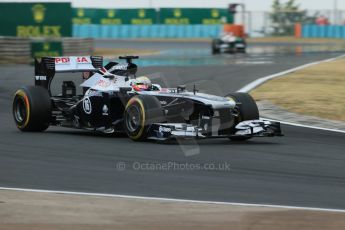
(262, 80)
(305, 126)
(174, 200)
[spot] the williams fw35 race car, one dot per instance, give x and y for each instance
(115, 100)
(228, 43)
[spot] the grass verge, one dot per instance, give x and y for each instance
(316, 91)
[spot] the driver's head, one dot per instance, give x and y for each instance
(142, 84)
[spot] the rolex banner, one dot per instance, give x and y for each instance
(194, 16)
(36, 19)
(114, 16)
(46, 49)
(167, 16)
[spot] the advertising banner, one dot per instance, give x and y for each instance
(114, 16)
(194, 16)
(36, 19)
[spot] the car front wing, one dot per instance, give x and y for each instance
(251, 128)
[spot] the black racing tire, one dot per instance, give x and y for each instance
(215, 50)
(32, 109)
(247, 108)
(242, 51)
(246, 105)
(140, 113)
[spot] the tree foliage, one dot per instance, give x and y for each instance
(285, 15)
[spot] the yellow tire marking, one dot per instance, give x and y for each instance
(131, 101)
(27, 107)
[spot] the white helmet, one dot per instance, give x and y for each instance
(141, 83)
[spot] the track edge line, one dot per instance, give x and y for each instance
(174, 200)
(262, 80)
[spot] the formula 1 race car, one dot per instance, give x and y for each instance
(115, 100)
(228, 43)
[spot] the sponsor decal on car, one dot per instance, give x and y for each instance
(41, 78)
(103, 83)
(87, 107)
(67, 60)
(163, 129)
(121, 67)
(62, 60)
(83, 60)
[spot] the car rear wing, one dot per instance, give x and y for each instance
(46, 68)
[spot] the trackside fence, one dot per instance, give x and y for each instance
(147, 31)
(323, 31)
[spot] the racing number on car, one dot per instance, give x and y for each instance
(87, 105)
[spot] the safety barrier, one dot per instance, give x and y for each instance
(321, 31)
(147, 31)
(14, 49)
(77, 46)
(21, 50)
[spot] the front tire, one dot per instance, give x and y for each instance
(32, 109)
(215, 47)
(247, 108)
(140, 113)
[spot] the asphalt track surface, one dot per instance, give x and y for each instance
(304, 168)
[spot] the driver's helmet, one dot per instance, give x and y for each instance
(142, 84)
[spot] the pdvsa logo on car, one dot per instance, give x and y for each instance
(67, 60)
(62, 60)
(83, 60)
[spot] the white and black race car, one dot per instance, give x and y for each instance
(115, 100)
(228, 43)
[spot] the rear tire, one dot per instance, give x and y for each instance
(248, 110)
(140, 113)
(32, 109)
